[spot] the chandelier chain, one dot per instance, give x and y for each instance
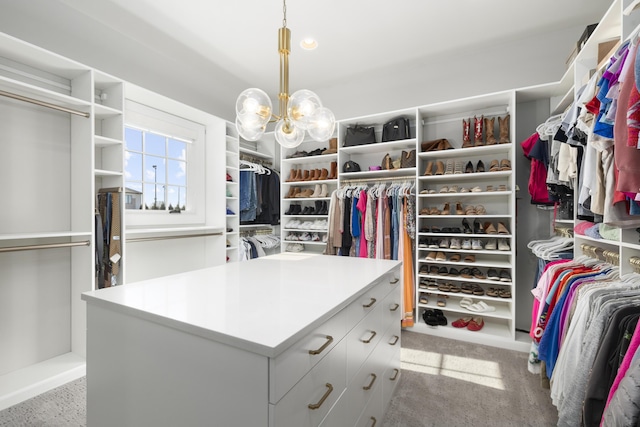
(284, 13)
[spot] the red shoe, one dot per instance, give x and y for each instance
(462, 322)
(475, 324)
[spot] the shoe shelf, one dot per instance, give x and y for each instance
(380, 147)
(306, 242)
(464, 216)
(409, 173)
(464, 236)
(482, 262)
(306, 160)
(309, 182)
(478, 194)
(502, 309)
(493, 328)
(483, 150)
(455, 178)
(440, 279)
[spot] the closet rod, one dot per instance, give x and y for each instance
(182, 236)
(469, 115)
(43, 104)
(44, 246)
(366, 181)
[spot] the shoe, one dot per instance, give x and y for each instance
(468, 168)
(442, 271)
(333, 174)
(466, 227)
(444, 189)
(442, 301)
(488, 127)
(477, 273)
(429, 169)
(505, 276)
(475, 324)
(325, 191)
(433, 244)
(466, 133)
(461, 322)
(470, 258)
(505, 165)
(489, 228)
(440, 168)
(316, 191)
(466, 273)
(453, 189)
(480, 166)
(455, 258)
(466, 244)
(431, 256)
(503, 245)
(478, 228)
(502, 229)
(440, 256)
(443, 243)
(230, 212)
(480, 210)
(229, 179)
(504, 293)
(504, 129)
(492, 274)
(423, 299)
(423, 243)
(476, 245)
(455, 244)
(454, 272)
(448, 170)
(446, 210)
(494, 166)
(457, 168)
(477, 131)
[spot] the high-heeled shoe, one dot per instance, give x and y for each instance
(478, 227)
(446, 210)
(459, 210)
(468, 168)
(480, 166)
(466, 227)
(428, 170)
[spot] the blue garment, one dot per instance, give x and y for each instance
(634, 207)
(394, 227)
(248, 196)
(355, 224)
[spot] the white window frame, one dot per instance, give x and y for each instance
(172, 119)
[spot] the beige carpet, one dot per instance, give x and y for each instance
(444, 383)
(454, 383)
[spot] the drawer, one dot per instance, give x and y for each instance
(287, 369)
(373, 412)
(392, 308)
(390, 342)
(367, 302)
(363, 339)
(366, 381)
(322, 387)
(390, 378)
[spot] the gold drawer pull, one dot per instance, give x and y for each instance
(373, 380)
(373, 334)
(373, 301)
(319, 404)
(394, 281)
(374, 422)
(325, 345)
(395, 307)
(395, 377)
(396, 340)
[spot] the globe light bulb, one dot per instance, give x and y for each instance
(287, 135)
(249, 133)
(301, 107)
(253, 108)
(322, 125)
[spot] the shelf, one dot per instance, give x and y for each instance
(461, 279)
(310, 159)
(462, 236)
(318, 181)
(564, 221)
(304, 216)
(495, 331)
(306, 230)
(479, 263)
(464, 177)
(102, 172)
(302, 199)
(380, 147)
(465, 251)
(255, 153)
(305, 242)
(465, 195)
(502, 310)
(466, 152)
(25, 383)
(591, 239)
(409, 173)
(104, 112)
(45, 95)
(506, 215)
(102, 141)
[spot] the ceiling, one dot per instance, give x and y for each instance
(233, 44)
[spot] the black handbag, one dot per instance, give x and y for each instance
(397, 129)
(359, 135)
(350, 166)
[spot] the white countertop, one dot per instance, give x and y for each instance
(262, 306)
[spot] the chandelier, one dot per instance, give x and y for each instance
(298, 113)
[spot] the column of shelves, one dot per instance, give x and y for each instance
(232, 194)
(309, 176)
(466, 220)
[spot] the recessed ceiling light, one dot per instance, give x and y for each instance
(308, 44)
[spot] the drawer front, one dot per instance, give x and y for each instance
(373, 412)
(390, 342)
(363, 339)
(321, 388)
(371, 298)
(392, 308)
(391, 378)
(367, 380)
(287, 369)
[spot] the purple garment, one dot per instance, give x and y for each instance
(362, 207)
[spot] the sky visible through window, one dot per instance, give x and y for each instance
(155, 171)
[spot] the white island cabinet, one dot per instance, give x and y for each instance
(287, 340)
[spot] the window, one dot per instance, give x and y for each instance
(155, 171)
(164, 166)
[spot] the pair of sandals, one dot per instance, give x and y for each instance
(476, 307)
(503, 165)
(434, 317)
(471, 323)
(499, 292)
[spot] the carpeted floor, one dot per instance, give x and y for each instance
(444, 383)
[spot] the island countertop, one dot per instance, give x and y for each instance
(263, 305)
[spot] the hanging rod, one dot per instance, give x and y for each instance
(253, 159)
(366, 181)
(44, 246)
(43, 104)
(182, 236)
(110, 190)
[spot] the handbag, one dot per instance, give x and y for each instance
(408, 159)
(396, 129)
(359, 135)
(350, 166)
(387, 162)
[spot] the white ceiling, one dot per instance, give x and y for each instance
(234, 43)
